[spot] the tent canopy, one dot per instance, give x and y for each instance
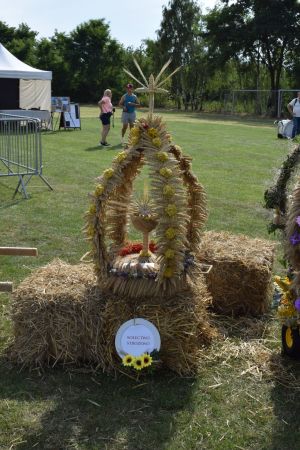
(12, 67)
(22, 86)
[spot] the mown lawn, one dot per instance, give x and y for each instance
(236, 402)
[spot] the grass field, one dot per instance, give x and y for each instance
(234, 403)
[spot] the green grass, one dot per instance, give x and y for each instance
(226, 407)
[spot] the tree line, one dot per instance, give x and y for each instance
(242, 44)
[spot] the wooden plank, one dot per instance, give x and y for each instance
(6, 286)
(18, 251)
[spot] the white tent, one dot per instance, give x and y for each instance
(23, 86)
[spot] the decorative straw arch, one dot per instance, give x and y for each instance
(179, 204)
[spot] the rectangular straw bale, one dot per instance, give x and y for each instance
(240, 281)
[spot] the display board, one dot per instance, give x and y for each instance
(60, 104)
(71, 118)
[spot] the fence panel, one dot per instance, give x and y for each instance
(20, 149)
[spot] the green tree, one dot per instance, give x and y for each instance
(259, 31)
(178, 34)
(52, 54)
(95, 61)
(21, 41)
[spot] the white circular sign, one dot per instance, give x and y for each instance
(137, 336)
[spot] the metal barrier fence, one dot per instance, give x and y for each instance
(20, 150)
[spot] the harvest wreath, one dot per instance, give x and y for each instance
(178, 205)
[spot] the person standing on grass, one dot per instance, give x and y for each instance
(129, 102)
(106, 111)
(294, 110)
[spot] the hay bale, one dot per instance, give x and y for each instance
(51, 319)
(240, 281)
(60, 316)
(181, 320)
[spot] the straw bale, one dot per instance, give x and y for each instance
(240, 281)
(60, 316)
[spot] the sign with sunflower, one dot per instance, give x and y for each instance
(135, 342)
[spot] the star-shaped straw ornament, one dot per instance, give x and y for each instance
(153, 86)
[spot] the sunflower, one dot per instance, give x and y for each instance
(128, 360)
(147, 359)
(138, 363)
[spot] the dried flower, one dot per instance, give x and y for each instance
(99, 190)
(121, 156)
(169, 253)
(162, 156)
(168, 273)
(156, 142)
(295, 239)
(297, 304)
(165, 172)
(171, 210)
(168, 190)
(108, 173)
(170, 233)
(152, 132)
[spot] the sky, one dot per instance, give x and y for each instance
(130, 20)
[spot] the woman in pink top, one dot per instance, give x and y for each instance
(106, 109)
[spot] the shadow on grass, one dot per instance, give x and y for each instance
(86, 411)
(285, 397)
(101, 149)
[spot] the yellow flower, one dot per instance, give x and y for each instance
(169, 253)
(90, 230)
(145, 253)
(128, 360)
(92, 209)
(168, 273)
(135, 132)
(152, 132)
(121, 156)
(165, 172)
(286, 311)
(171, 210)
(147, 360)
(138, 363)
(134, 140)
(108, 173)
(170, 233)
(156, 142)
(99, 190)
(283, 283)
(162, 156)
(168, 190)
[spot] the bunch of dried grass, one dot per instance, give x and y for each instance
(240, 281)
(60, 316)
